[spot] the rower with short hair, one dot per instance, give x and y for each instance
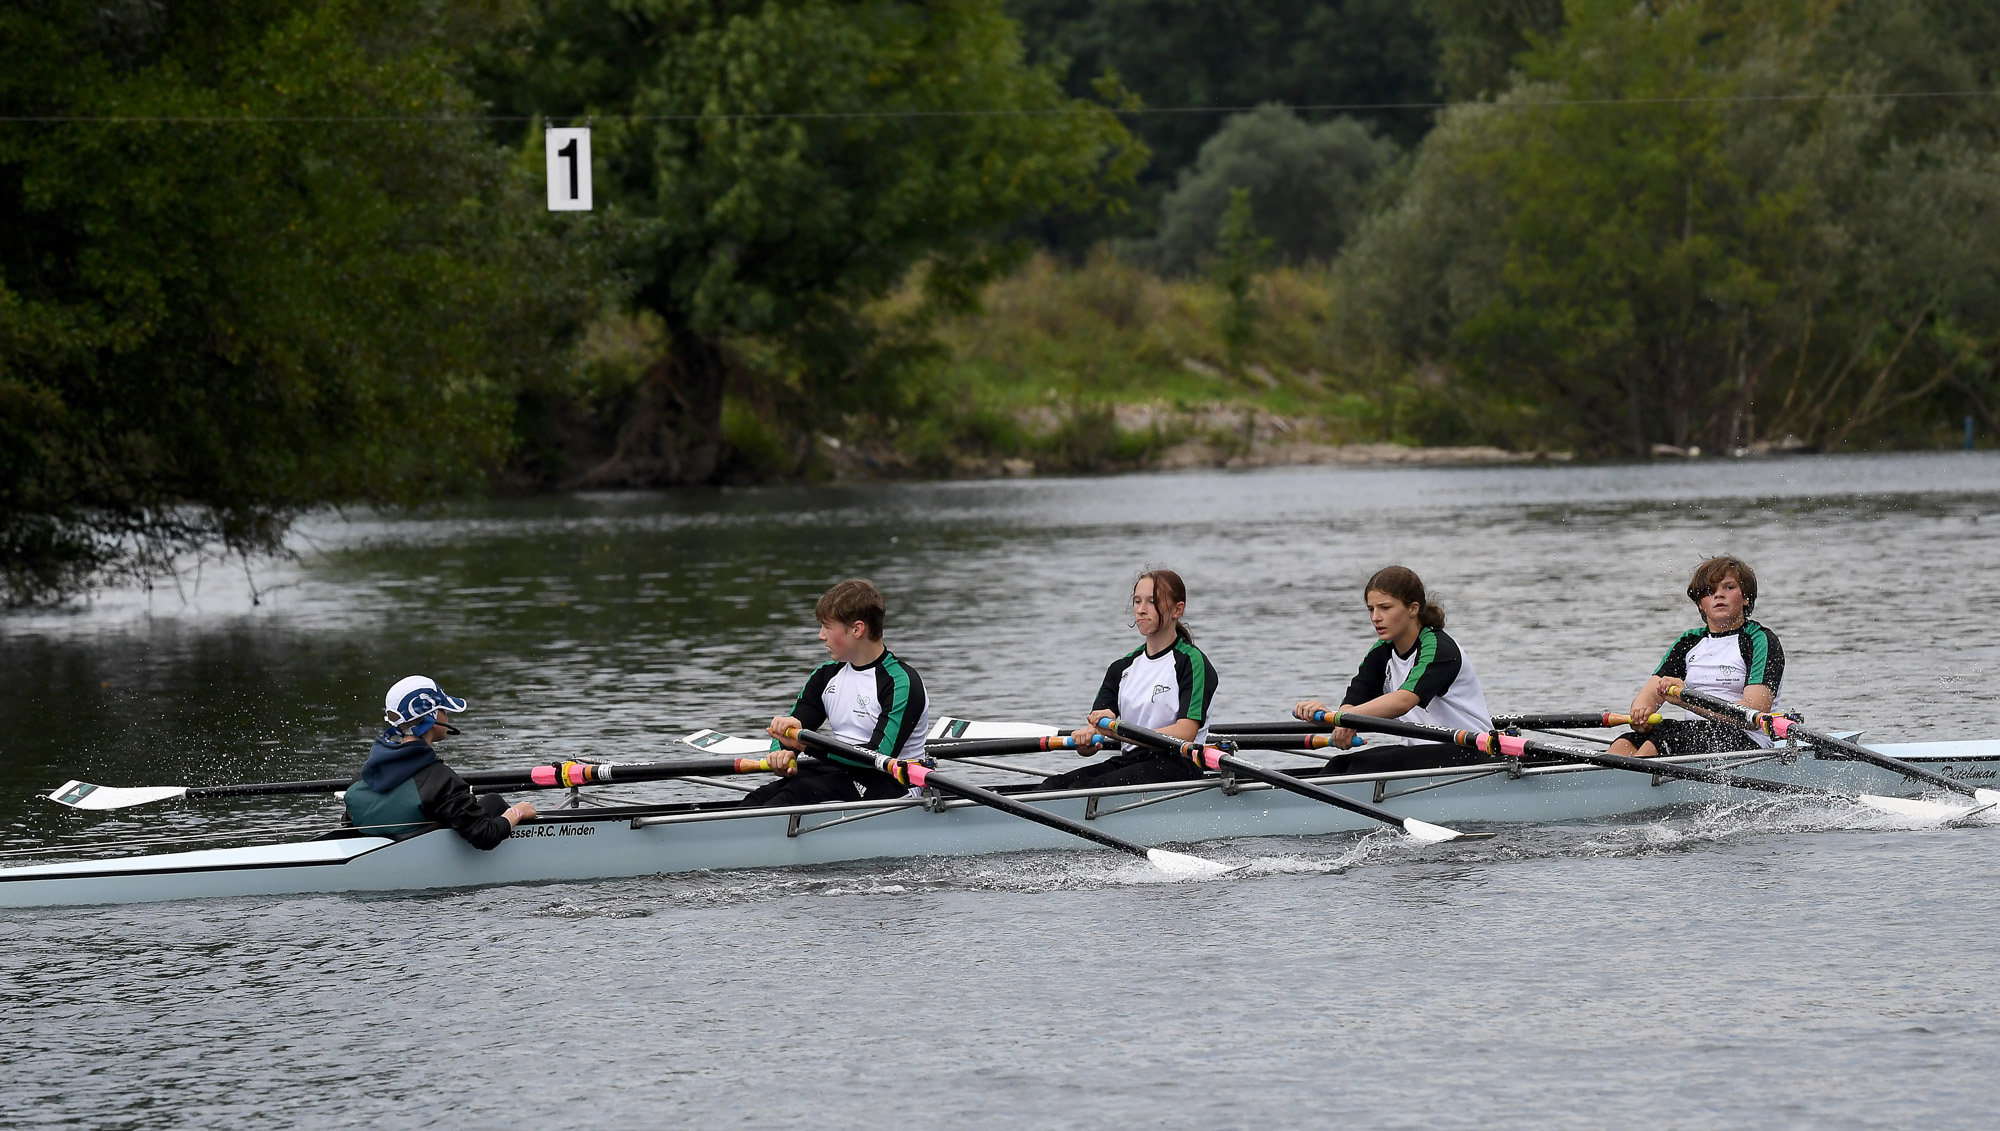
(1414, 671)
(1728, 655)
(404, 787)
(1165, 684)
(864, 695)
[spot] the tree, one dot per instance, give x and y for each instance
(1621, 252)
(212, 323)
(1306, 184)
(788, 161)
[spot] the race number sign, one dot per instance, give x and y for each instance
(569, 170)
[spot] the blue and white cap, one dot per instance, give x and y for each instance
(414, 700)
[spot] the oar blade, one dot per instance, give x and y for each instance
(1183, 866)
(83, 795)
(1429, 833)
(716, 742)
(1988, 797)
(1913, 808)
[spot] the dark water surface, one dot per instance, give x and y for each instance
(1775, 964)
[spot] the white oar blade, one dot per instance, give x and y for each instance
(1911, 807)
(1181, 864)
(1427, 832)
(83, 795)
(1987, 796)
(716, 742)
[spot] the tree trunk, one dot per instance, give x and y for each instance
(672, 433)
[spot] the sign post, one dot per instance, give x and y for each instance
(569, 169)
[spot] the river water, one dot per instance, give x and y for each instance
(1752, 962)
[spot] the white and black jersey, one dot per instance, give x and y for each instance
(1157, 691)
(1725, 664)
(1436, 671)
(880, 706)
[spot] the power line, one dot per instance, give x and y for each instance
(1074, 108)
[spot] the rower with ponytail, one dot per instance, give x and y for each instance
(1415, 671)
(1165, 684)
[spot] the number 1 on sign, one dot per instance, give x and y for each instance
(569, 170)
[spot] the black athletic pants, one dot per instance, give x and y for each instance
(1134, 767)
(816, 784)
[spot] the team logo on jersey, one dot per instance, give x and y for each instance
(1160, 689)
(861, 701)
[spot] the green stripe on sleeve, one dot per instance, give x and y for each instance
(897, 709)
(1197, 679)
(1760, 652)
(1427, 650)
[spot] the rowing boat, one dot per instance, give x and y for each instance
(639, 840)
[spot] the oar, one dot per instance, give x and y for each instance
(1511, 746)
(1212, 758)
(1784, 726)
(561, 775)
(1526, 722)
(1275, 740)
(716, 742)
(920, 775)
(1596, 720)
(986, 747)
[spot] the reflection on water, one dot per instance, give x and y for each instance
(1363, 972)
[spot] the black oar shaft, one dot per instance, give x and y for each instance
(323, 785)
(918, 774)
(1589, 720)
(1211, 758)
(1784, 726)
(1508, 746)
(958, 748)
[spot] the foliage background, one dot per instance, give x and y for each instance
(261, 256)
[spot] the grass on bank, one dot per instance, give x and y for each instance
(1095, 366)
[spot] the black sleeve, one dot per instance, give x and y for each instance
(445, 798)
(1107, 694)
(1367, 683)
(1437, 665)
(1197, 679)
(900, 690)
(810, 709)
(1674, 665)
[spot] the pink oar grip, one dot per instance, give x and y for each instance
(918, 773)
(543, 775)
(1779, 725)
(1211, 757)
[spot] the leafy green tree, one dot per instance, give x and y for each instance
(1307, 184)
(786, 162)
(1478, 41)
(226, 297)
(1239, 53)
(1243, 253)
(1633, 248)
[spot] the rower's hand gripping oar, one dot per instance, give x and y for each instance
(920, 775)
(1777, 726)
(1213, 758)
(559, 775)
(1512, 746)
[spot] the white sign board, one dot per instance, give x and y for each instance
(569, 170)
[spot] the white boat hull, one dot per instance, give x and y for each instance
(576, 845)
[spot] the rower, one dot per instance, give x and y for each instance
(1165, 684)
(864, 695)
(1414, 671)
(1728, 655)
(404, 786)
